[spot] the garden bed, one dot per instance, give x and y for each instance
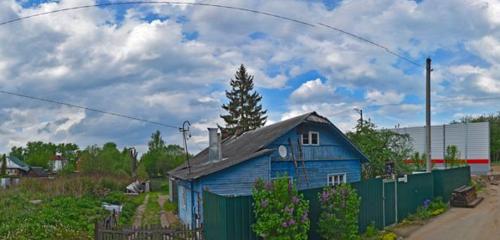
(62, 208)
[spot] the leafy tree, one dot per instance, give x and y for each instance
(244, 109)
(107, 159)
(339, 213)
(40, 154)
(17, 152)
(452, 157)
(281, 212)
(419, 161)
(89, 159)
(380, 147)
(160, 158)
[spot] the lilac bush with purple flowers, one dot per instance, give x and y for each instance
(281, 212)
(339, 213)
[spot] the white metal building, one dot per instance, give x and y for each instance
(471, 139)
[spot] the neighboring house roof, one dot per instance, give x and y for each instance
(14, 162)
(249, 145)
(38, 172)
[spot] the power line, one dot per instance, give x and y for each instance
(438, 101)
(88, 108)
(372, 43)
(295, 20)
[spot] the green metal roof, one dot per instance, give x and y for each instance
(19, 163)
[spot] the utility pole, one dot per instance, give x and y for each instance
(360, 111)
(185, 135)
(428, 70)
(133, 158)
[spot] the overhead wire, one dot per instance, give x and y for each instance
(88, 108)
(270, 14)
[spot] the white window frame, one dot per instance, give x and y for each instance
(336, 179)
(309, 135)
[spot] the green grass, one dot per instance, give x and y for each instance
(152, 212)
(69, 207)
(170, 207)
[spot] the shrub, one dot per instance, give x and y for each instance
(429, 209)
(281, 212)
(339, 212)
(389, 236)
(371, 230)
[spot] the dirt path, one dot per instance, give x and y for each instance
(481, 222)
(163, 216)
(139, 212)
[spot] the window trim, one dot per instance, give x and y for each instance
(309, 138)
(343, 174)
(302, 139)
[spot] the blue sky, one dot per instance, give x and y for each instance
(173, 63)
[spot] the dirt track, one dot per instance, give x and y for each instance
(482, 222)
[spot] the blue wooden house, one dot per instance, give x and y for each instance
(308, 149)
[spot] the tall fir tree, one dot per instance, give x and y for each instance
(244, 110)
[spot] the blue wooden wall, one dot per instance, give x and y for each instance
(316, 172)
(336, 157)
(238, 180)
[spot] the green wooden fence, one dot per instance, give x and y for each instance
(232, 217)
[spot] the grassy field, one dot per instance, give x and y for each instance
(67, 208)
(152, 212)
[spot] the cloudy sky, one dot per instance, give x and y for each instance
(172, 63)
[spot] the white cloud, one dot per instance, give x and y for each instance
(380, 98)
(151, 70)
(312, 90)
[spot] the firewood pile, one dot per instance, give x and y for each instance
(465, 196)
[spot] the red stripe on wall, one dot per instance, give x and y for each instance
(469, 161)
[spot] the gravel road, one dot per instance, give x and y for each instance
(481, 222)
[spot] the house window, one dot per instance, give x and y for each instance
(336, 179)
(305, 139)
(310, 138)
(314, 138)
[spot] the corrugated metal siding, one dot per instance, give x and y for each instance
(445, 181)
(231, 217)
(471, 139)
(413, 193)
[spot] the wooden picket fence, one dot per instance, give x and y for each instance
(108, 230)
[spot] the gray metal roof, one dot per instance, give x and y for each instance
(249, 145)
(21, 165)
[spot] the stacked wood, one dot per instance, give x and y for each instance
(465, 196)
